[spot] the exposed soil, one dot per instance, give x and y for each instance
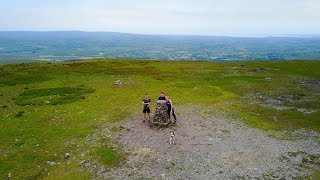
(280, 102)
(209, 147)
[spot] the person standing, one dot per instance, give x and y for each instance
(162, 97)
(146, 108)
(170, 108)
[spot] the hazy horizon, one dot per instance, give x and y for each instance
(217, 35)
(244, 18)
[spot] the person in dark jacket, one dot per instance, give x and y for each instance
(146, 108)
(162, 97)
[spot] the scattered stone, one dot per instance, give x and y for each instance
(298, 160)
(306, 111)
(87, 164)
(316, 83)
(101, 170)
(82, 161)
(118, 83)
(51, 163)
(67, 155)
(243, 152)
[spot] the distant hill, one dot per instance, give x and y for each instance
(69, 45)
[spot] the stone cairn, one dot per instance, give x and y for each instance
(161, 116)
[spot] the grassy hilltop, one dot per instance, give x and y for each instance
(47, 109)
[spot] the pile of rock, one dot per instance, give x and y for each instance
(161, 115)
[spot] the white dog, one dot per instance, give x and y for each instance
(172, 138)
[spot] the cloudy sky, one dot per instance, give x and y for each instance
(203, 17)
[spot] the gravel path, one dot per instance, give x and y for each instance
(211, 147)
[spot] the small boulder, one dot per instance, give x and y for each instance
(82, 161)
(51, 163)
(118, 83)
(297, 160)
(67, 155)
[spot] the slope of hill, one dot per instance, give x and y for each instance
(70, 121)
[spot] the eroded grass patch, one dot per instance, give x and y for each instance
(52, 96)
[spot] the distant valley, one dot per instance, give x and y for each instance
(71, 45)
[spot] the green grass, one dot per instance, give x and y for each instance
(108, 156)
(47, 109)
(54, 96)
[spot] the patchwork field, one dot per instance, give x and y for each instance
(64, 120)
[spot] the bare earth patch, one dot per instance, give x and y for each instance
(209, 147)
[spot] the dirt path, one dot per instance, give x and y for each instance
(210, 147)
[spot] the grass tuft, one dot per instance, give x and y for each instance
(19, 114)
(108, 156)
